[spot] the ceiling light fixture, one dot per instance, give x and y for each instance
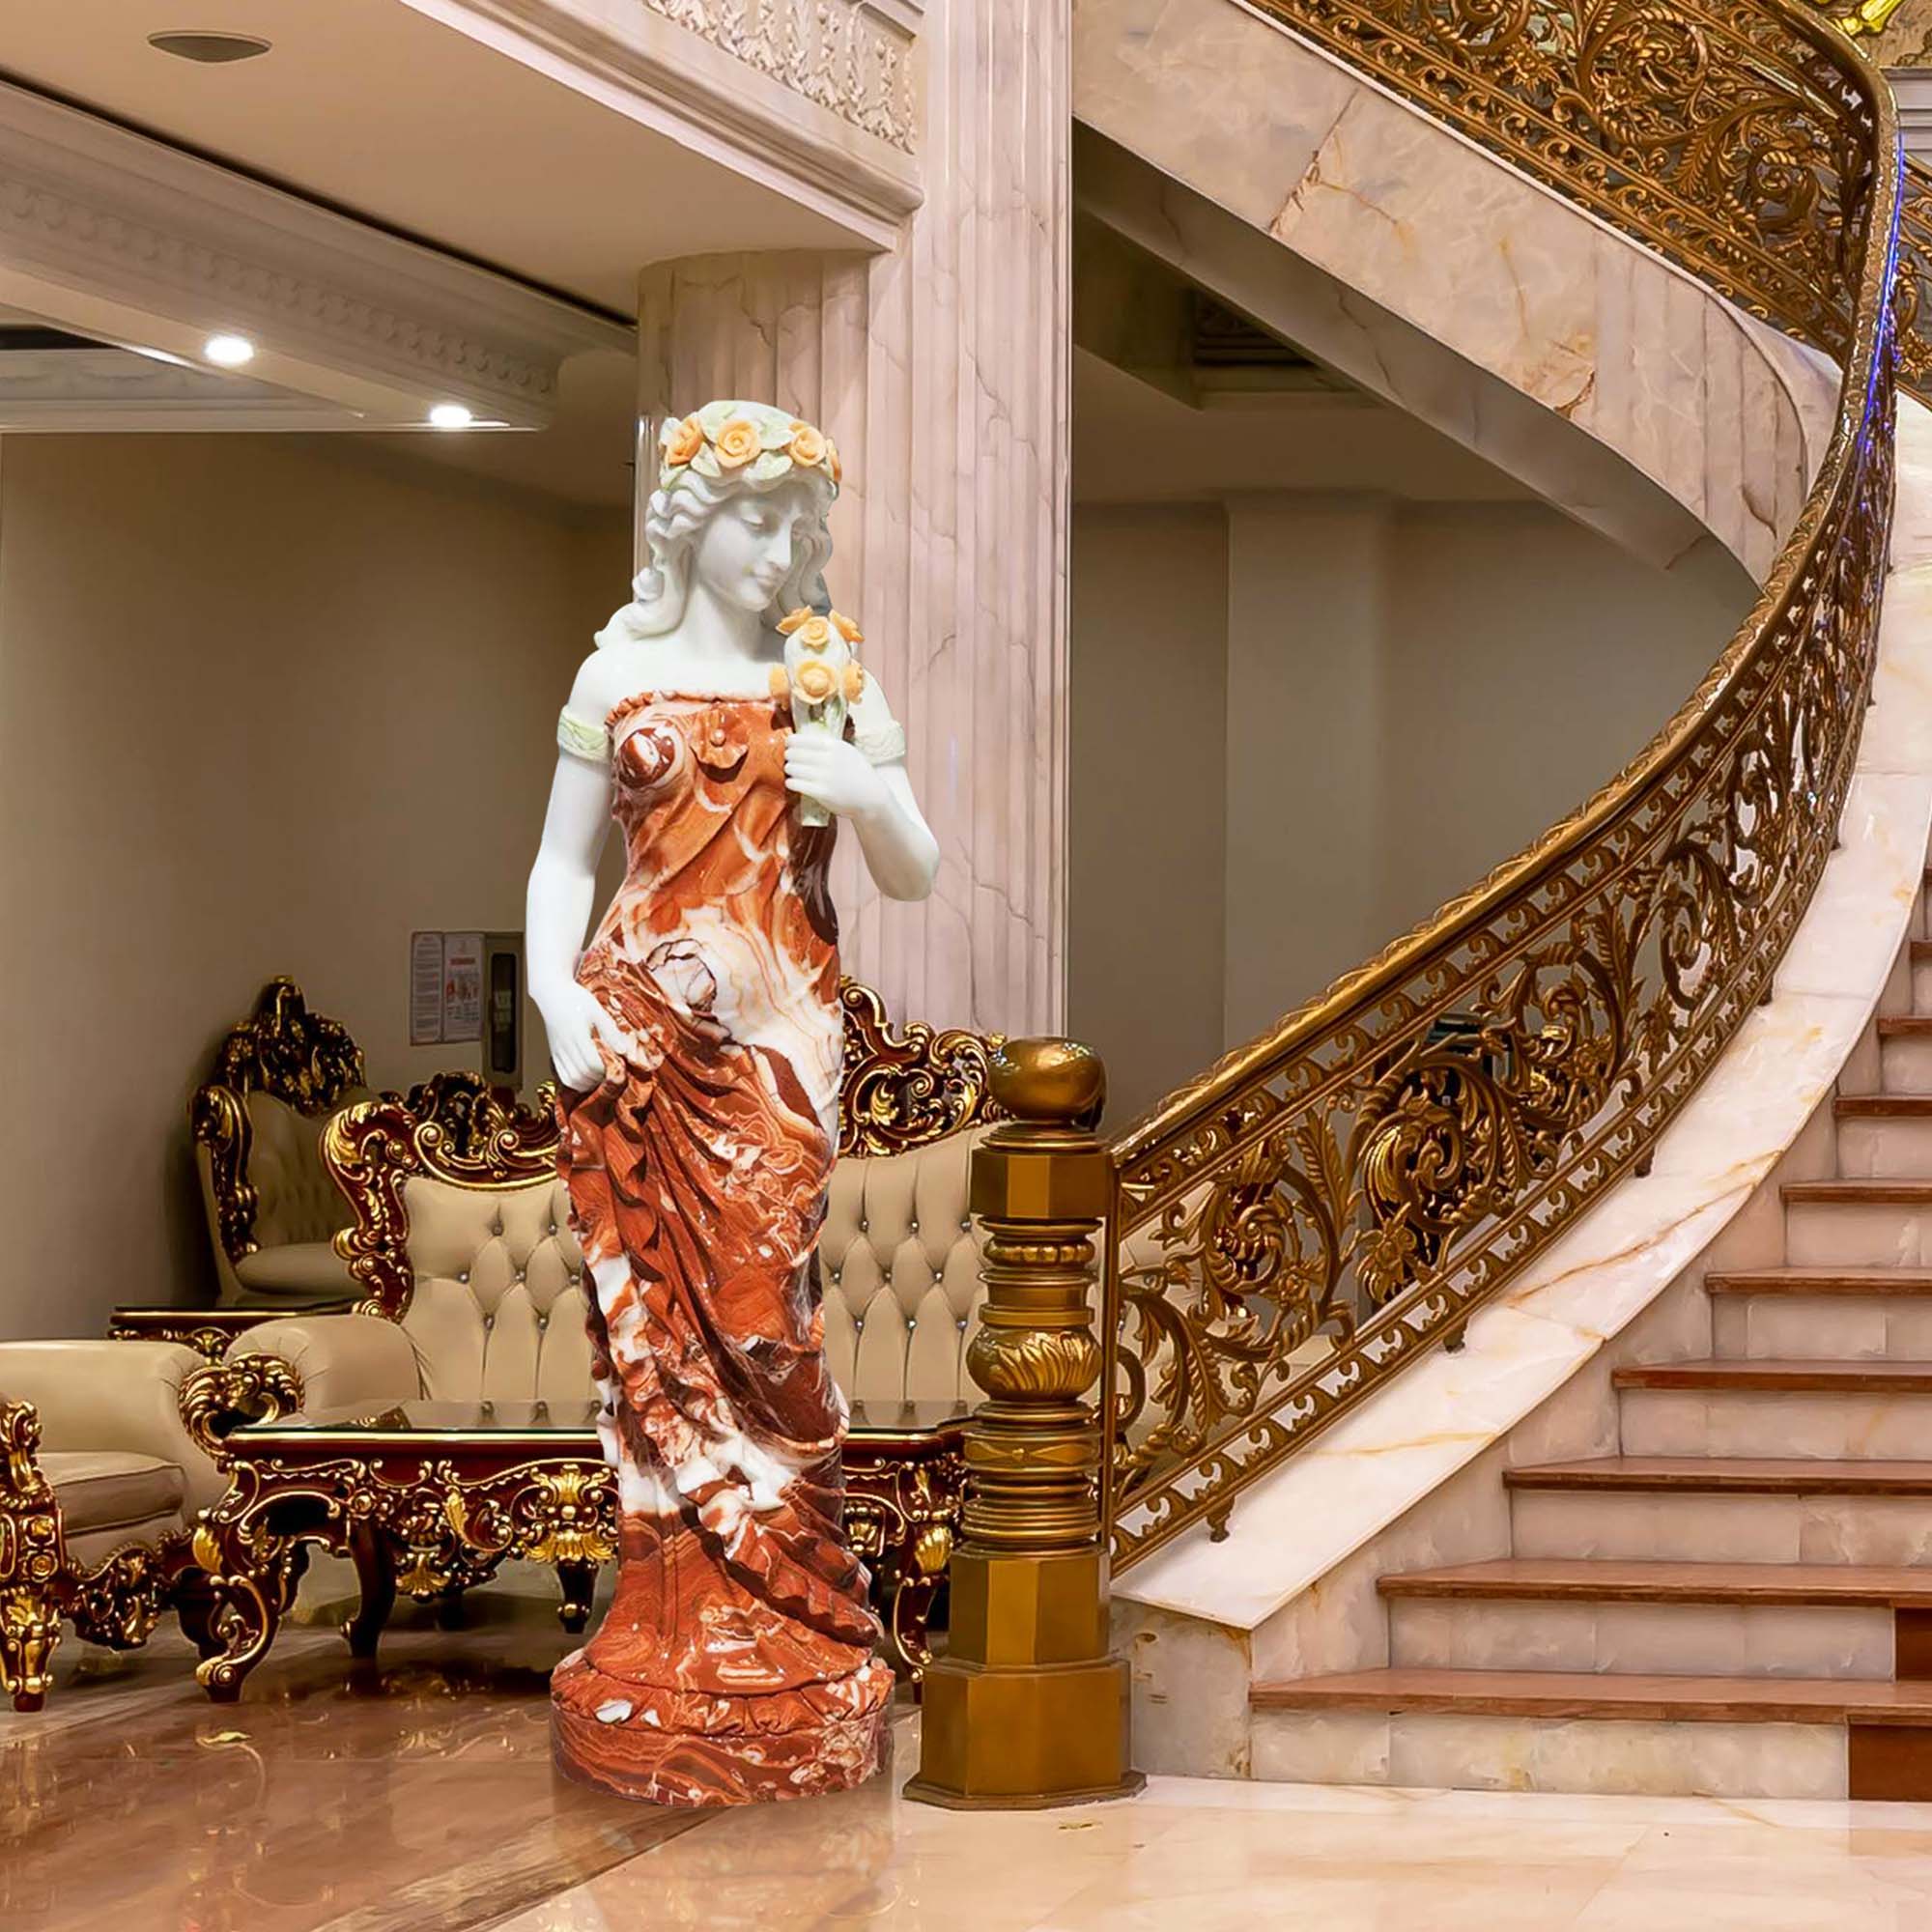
(229, 352)
(209, 49)
(450, 415)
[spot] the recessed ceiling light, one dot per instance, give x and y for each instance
(209, 49)
(229, 352)
(450, 415)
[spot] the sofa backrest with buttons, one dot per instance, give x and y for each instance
(469, 1246)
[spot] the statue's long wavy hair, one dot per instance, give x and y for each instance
(673, 520)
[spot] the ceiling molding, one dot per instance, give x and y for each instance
(822, 101)
(87, 390)
(123, 238)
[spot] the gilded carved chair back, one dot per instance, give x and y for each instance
(460, 1230)
(262, 1177)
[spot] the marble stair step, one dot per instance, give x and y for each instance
(1847, 1314)
(1737, 1737)
(1883, 1106)
(1858, 1223)
(1816, 1377)
(1561, 1579)
(1905, 1053)
(1870, 1409)
(1666, 1619)
(1705, 1509)
(1885, 1136)
(1466, 1749)
(1729, 1475)
(1576, 1693)
(1822, 1281)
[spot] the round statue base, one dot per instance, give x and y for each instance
(689, 1750)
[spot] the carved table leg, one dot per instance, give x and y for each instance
(194, 1609)
(250, 1578)
(913, 1595)
(376, 1574)
(577, 1582)
(30, 1628)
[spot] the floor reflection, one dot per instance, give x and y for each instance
(416, 1794)
(413, 1792)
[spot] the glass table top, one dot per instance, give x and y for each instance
(563, 1419)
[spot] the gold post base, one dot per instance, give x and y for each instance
(1002, 1737)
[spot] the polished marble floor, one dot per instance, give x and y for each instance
(417, 1794)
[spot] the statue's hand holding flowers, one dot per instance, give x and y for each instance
(822, 677)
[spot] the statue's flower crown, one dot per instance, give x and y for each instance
(749, 440)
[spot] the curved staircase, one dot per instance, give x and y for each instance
(1740, 1601)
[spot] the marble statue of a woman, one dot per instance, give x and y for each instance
(698, 1041)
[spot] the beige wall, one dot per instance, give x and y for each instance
(1397, 696)
(1146, 819)
(266, 705)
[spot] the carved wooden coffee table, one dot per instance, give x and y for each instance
(432, 1497)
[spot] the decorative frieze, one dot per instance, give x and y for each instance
(850, 57)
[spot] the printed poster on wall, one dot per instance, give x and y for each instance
(462, 985)
(425, 988)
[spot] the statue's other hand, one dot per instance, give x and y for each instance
(836, 774)
(579, 1027)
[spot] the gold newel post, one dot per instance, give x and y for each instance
(1028, 1708)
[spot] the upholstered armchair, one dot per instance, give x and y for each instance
(100, 1483)
(472, 1288)
(272, 1211)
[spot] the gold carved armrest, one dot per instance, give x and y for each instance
(903, 1086)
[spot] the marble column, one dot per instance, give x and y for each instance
(941, 371)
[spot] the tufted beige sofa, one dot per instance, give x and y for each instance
(899, 1264)
(478, 1284)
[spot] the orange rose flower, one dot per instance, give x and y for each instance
(855, 682)
(737, 444)
(832, 462)
(814, 633)
(807, 448)
(848, 630)
(816, 682)
(792, 620)
(781, 684)
(683, 441)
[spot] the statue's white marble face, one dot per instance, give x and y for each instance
(749, 544)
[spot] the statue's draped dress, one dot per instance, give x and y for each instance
(737, 1660)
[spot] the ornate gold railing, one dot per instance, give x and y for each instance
(1365, 1171)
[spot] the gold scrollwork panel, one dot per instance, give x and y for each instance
(904, 1087)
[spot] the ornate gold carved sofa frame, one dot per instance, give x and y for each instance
(446, 1423)
(100, 1478)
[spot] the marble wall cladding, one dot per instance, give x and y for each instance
(1440, 236)
(1190, 1681)
(940, 368)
